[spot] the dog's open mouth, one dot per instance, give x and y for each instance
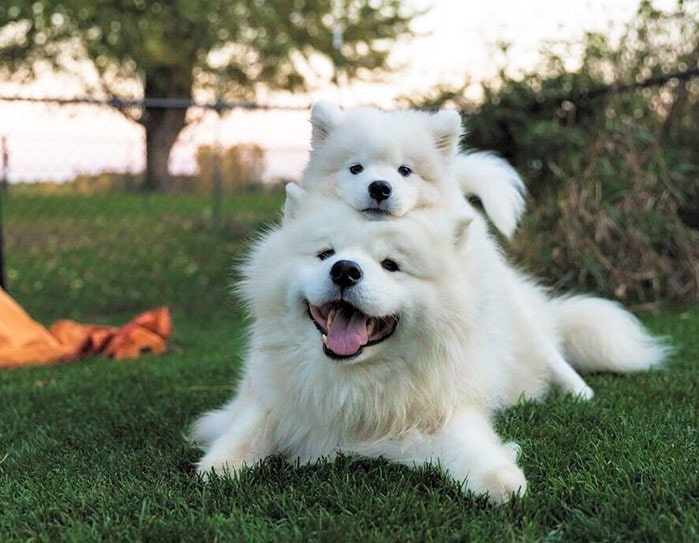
(346, 330)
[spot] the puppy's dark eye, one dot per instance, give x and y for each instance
(326, 253)
(405, 171)
(356, 168)
(389, 265)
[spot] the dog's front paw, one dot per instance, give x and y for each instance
(500, 484)
(221, 468)
(584, 393)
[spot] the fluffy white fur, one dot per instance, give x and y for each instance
(496, 183)
(382, 142)
(472, 336)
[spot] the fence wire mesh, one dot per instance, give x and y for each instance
(80, 238)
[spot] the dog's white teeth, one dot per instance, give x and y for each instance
(371, 326)
(331, 317)
(325, 339)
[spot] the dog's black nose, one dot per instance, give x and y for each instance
(379, 190)
(346, 273)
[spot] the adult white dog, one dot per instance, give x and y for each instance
(401, 338)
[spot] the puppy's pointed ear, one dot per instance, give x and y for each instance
(294, 197)
(325, 116)
(446, 128)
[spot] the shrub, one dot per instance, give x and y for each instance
(609, 154)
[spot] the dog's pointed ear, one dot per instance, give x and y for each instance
(446, 129)
(325, 116)
(294, 197)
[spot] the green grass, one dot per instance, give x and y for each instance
(112, 254)
(95, 450)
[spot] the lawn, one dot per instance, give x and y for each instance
(95, 450)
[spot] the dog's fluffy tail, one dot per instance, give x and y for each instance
(600, 335)
(496, 184)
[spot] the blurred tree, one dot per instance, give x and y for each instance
(168, 49)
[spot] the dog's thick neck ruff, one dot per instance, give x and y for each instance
(346, 330)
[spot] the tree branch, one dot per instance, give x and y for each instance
(653, 81)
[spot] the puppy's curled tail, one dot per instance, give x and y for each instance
(496, 184)
(600, 335)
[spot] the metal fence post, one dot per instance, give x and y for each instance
(217, 173)
(3, 191)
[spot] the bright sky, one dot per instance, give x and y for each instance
(457, 43)
(462, 33)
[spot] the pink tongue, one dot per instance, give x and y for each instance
(348, 333)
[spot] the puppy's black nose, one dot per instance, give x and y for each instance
(346, 273)
(379, 190)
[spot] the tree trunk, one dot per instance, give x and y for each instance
(163, 125)
(162, 128)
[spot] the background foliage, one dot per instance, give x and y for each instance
(609, 152)
(235, 167)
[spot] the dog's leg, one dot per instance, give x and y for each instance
(536, 339)
(243, 443)
(473, 453)
(467, 448)
(564, 376)
(536, 343)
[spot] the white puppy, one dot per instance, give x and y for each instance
(399, 339)
(386, 163)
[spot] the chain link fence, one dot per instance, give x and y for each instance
(80, 238)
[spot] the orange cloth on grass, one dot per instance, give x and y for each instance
(24, 342)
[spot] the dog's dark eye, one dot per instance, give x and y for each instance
(356, 168)
(405, 171)
(327, 253)
(389, 265)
